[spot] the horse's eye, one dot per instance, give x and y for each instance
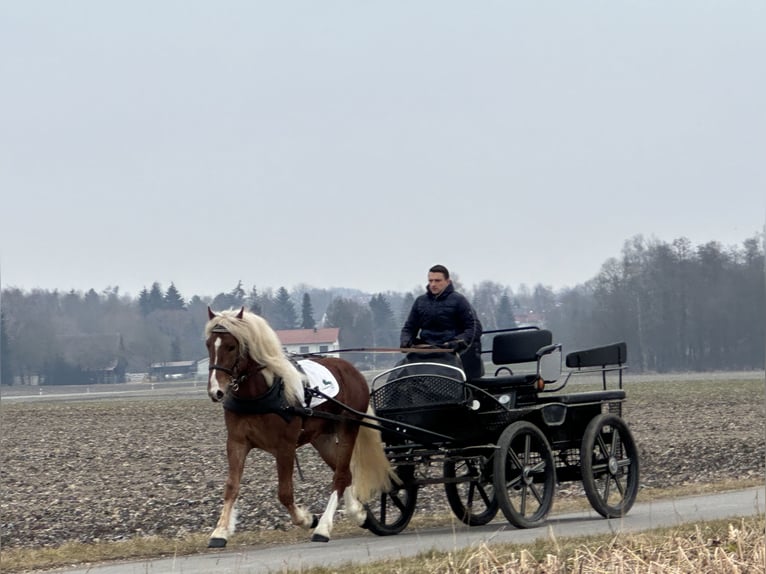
(231, 348)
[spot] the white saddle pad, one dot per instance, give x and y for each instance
(319, 378)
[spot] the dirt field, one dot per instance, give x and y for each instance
(112, 470)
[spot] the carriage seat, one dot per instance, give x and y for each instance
(614, 354)
(515, 348)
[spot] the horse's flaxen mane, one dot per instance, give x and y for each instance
(256, 336)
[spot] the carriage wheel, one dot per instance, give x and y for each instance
(473, 501)
(525, 475)
(391, 512)
(609, 461)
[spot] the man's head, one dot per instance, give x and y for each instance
(438, 279)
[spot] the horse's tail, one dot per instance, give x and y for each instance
(370, 468)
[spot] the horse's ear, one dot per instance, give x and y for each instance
(210, 313)
(241, 312)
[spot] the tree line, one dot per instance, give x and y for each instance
(679, 307)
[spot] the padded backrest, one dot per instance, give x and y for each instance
(519, 346)
(614, 354)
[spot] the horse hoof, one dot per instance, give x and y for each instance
(314, 522)
(216, 543)
(319, 538)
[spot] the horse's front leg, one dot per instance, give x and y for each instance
(300, 516)
(236, 453)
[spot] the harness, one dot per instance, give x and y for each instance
(273, 401)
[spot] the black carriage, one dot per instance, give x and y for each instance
(504, 441)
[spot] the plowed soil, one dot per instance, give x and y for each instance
(111, 470)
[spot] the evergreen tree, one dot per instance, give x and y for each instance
(284, 311)
(6, 373)
(384, 328)
(504, 313)
(307, 313)
(234, 299)
(173, 300)
(143, 302)
(156, 298)
(407, 303)
(175, 349)
(355, 323)
(238, 295)
(254, 302)
(267, 303)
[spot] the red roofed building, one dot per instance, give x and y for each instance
(303, 341)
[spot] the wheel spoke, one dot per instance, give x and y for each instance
(523, 505)
(603, 449)
(607, 483)
(397, 501)
(619, 486)
(615, 441)
(514, 459)
(535, 490)
(469, 497)
(527, 447)
(483, 493)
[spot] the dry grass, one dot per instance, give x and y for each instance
(718, 547)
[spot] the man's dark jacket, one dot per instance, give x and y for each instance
(442, 318)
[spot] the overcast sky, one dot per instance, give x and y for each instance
(355, 144)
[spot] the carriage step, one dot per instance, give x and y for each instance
(587, 397)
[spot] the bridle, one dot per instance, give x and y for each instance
(271, 401)
(236, 378)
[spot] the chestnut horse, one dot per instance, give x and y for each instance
(264, 400)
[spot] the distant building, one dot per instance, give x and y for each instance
(303, 341)
(529, 319)
(112, 373)
(172, 370)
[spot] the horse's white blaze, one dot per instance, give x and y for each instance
(212, 384)
(325, 523)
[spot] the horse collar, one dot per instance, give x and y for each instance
(272, 401)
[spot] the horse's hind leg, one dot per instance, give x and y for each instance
(354, 508)
(336, 451)
(236, 453)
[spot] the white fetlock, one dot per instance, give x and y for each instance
(354, 508)
(220, 533)
(304, 518)
(323, 529)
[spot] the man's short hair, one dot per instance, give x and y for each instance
(440, 269)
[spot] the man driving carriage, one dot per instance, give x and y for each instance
(443, 318)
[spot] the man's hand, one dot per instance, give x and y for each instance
(456, 345)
